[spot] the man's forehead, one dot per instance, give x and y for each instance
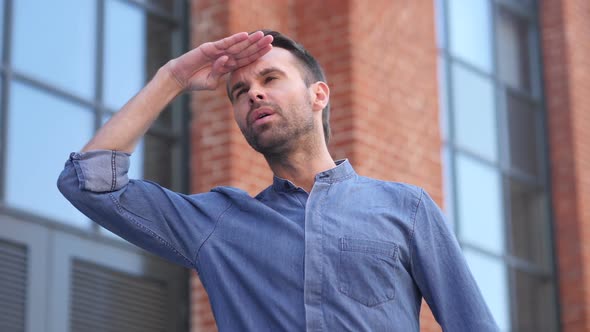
(278, 58)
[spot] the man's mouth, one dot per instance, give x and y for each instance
(260, 114)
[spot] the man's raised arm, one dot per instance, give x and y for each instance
(198, 69)
(96, 181)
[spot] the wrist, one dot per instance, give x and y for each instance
(167, 81)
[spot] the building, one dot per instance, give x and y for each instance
(481, 102)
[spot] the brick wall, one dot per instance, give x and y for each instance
(566, 53)
(380, 59)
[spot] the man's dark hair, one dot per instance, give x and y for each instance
(313, 72)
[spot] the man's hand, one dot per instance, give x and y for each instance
(202, 67)
(199, 69)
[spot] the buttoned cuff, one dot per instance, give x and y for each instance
(101, 170)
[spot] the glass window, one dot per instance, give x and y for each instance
(474, 112)
(124, 53)
(523, 124)
(499, 192)
(36, 151)
(512, 48)
(159, 153)
(481, 221)
(60, 51)
(491, 277)
(440, 23)
(160, 36)
(470, 32)
(529, 224)
(167, 5)
(2, 3)
(534, 303)
(442, 98)
(448, 198)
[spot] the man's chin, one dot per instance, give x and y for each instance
(267, 145)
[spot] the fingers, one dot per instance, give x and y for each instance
(244, 44)
(252, 49)
(218, 69)
(252, 57)
(230, 41)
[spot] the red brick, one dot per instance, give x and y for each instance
(565, 29)
(380, 58)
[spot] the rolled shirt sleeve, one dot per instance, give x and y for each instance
(171, 225)
(442, 274)
(101, 170)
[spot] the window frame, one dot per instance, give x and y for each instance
(176, 135)
(526, 11)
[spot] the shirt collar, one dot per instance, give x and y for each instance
(342, 171)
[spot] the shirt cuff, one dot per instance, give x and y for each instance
(101, 170)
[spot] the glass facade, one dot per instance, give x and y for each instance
(66, 67)
(494, 155)
(64, 77)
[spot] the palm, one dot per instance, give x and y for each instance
(202, 67)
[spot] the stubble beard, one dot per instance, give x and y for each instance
(282, 135)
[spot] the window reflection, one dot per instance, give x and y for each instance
(474, 117)
(159, 154)
(159, 46)
(166, 5)
(470, 32)
(535, 305)
(529, 224)
(124, 53)
(60, 51)
(479, 196)
(491, 277)
(512, 46)
(36, 151)
(523, 125)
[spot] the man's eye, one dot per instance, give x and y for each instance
(240, 92)
(269, 78)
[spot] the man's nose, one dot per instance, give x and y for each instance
(256, 95)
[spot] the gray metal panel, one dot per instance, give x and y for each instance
(13, 286)
(108, 300)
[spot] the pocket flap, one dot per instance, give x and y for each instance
(368, 246)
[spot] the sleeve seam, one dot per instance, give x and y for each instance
(412, 238)
(212, 231)
(129, 216)
(113, 170)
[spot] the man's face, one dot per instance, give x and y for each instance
(272, 104)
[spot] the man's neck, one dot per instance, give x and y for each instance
(301, 166)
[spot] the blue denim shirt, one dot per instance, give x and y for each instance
(355, 254)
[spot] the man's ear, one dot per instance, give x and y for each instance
(321, 95)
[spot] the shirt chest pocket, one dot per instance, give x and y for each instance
(366, 272)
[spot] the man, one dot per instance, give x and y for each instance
(321, 249)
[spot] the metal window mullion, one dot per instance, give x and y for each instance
(181, 118)
(98, 74)
(510, 261)
(475, 155)
(514, 7)
(99, 65)
(450, 115)
(51, 89)
(546, 171)
(156, 11)
(501, 141)
(5, 80)
(518, 91)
